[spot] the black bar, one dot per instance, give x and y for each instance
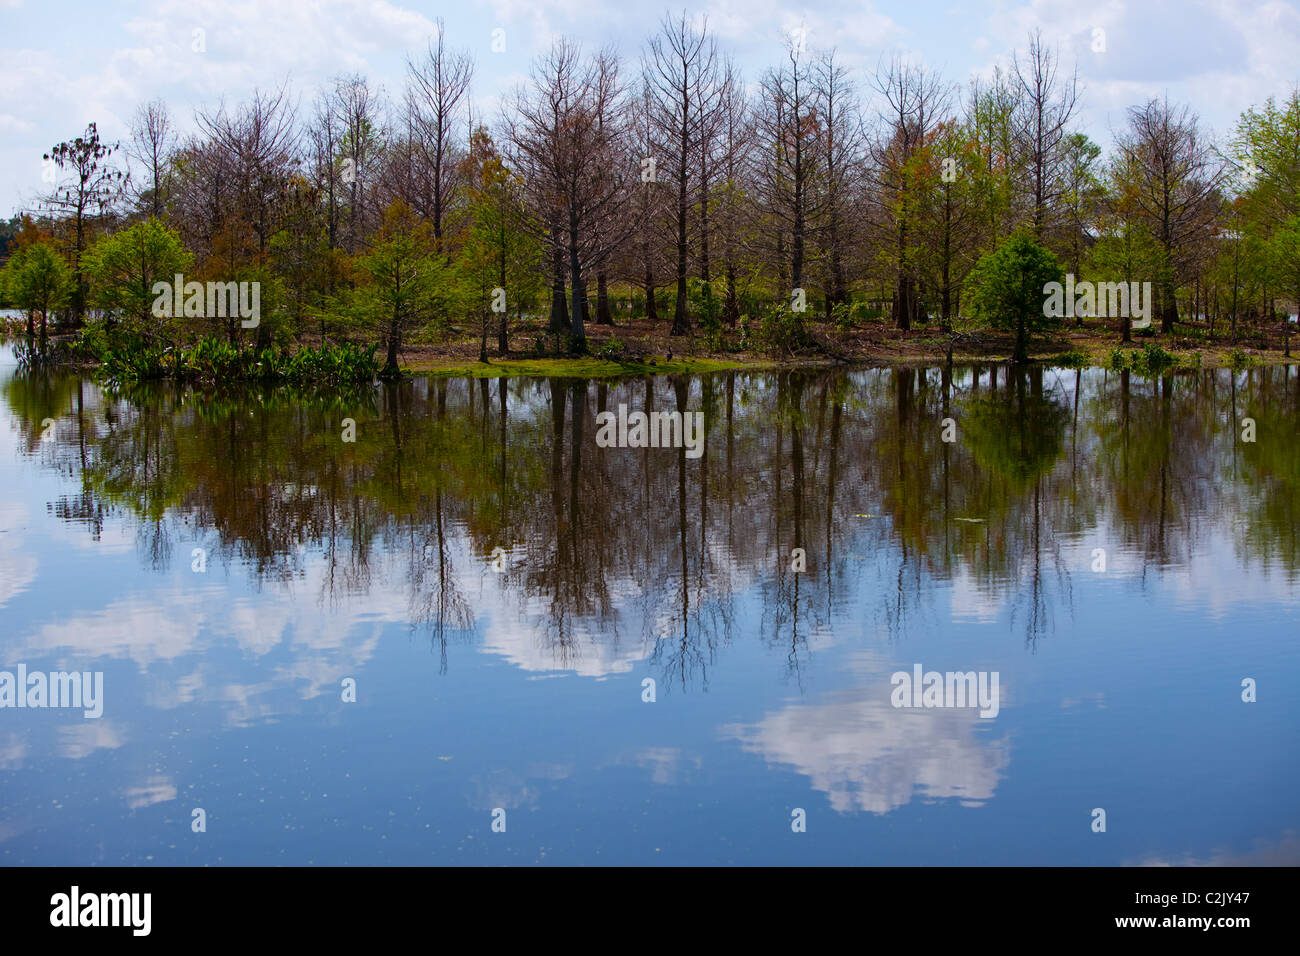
(333, 905)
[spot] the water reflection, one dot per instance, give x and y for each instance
(480, 518)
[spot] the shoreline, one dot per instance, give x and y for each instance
(877, 347)
(645, 350)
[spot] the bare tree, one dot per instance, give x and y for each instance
(361, 144)
(685, 80)
(152, 138)
(1047, 103)
(325, 135)
(565, 133)
(647, 259)
(438, 100)
(915, 101)
(736, 142)
(1173, 177)
(261, 140)
(249, 164)
(842, 158)
(788, 157)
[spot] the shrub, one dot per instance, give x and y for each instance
(780, 330)
(1072, 359)
(1007, 288)
(842, 316)
(213, 361)
(613, 351)
(1154, 359)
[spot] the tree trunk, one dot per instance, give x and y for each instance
(502, 344)
(394, 335)
(578, 310)
(681, 318)
(603, 315)
(559, 323)
(1168, 307)
(733, 306)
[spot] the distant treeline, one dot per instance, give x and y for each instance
(665, 187)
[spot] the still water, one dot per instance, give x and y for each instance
(498, 592)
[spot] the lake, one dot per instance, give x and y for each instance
(473, 634)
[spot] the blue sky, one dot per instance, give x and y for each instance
(69, 62)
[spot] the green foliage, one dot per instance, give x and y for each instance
(124, 266)
(1265, 144)
(708, 309)
(1006, 289)
(1153, 359)
(868, 312)
(1015, 435)
(1239, 359)
(36, 279)
(408, 286)
(842, 316)
(1284, 257)
(1123, 252)
(501, 249)
(780, 331)
(214, 361)
(1072, 359)
(703, 303)
(329, 272)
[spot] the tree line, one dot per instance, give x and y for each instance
(665, 187)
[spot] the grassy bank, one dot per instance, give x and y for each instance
(639, 347)
(644, 348)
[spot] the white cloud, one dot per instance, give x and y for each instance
(86, 736)
(154, 790)
(17, 565)
(869, 756)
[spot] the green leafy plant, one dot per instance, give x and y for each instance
(1074, 358)
(780, 331)
(1007, 289)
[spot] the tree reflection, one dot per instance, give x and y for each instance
(622, 554)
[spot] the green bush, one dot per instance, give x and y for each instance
(1007, 289)
(213, 361)
(865, 312)
(842, 316)
(780, 331)
(613, 351)
(1154, 359)
(1150, 360)
(1072, 359)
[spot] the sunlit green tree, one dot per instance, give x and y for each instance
(1007, 289)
